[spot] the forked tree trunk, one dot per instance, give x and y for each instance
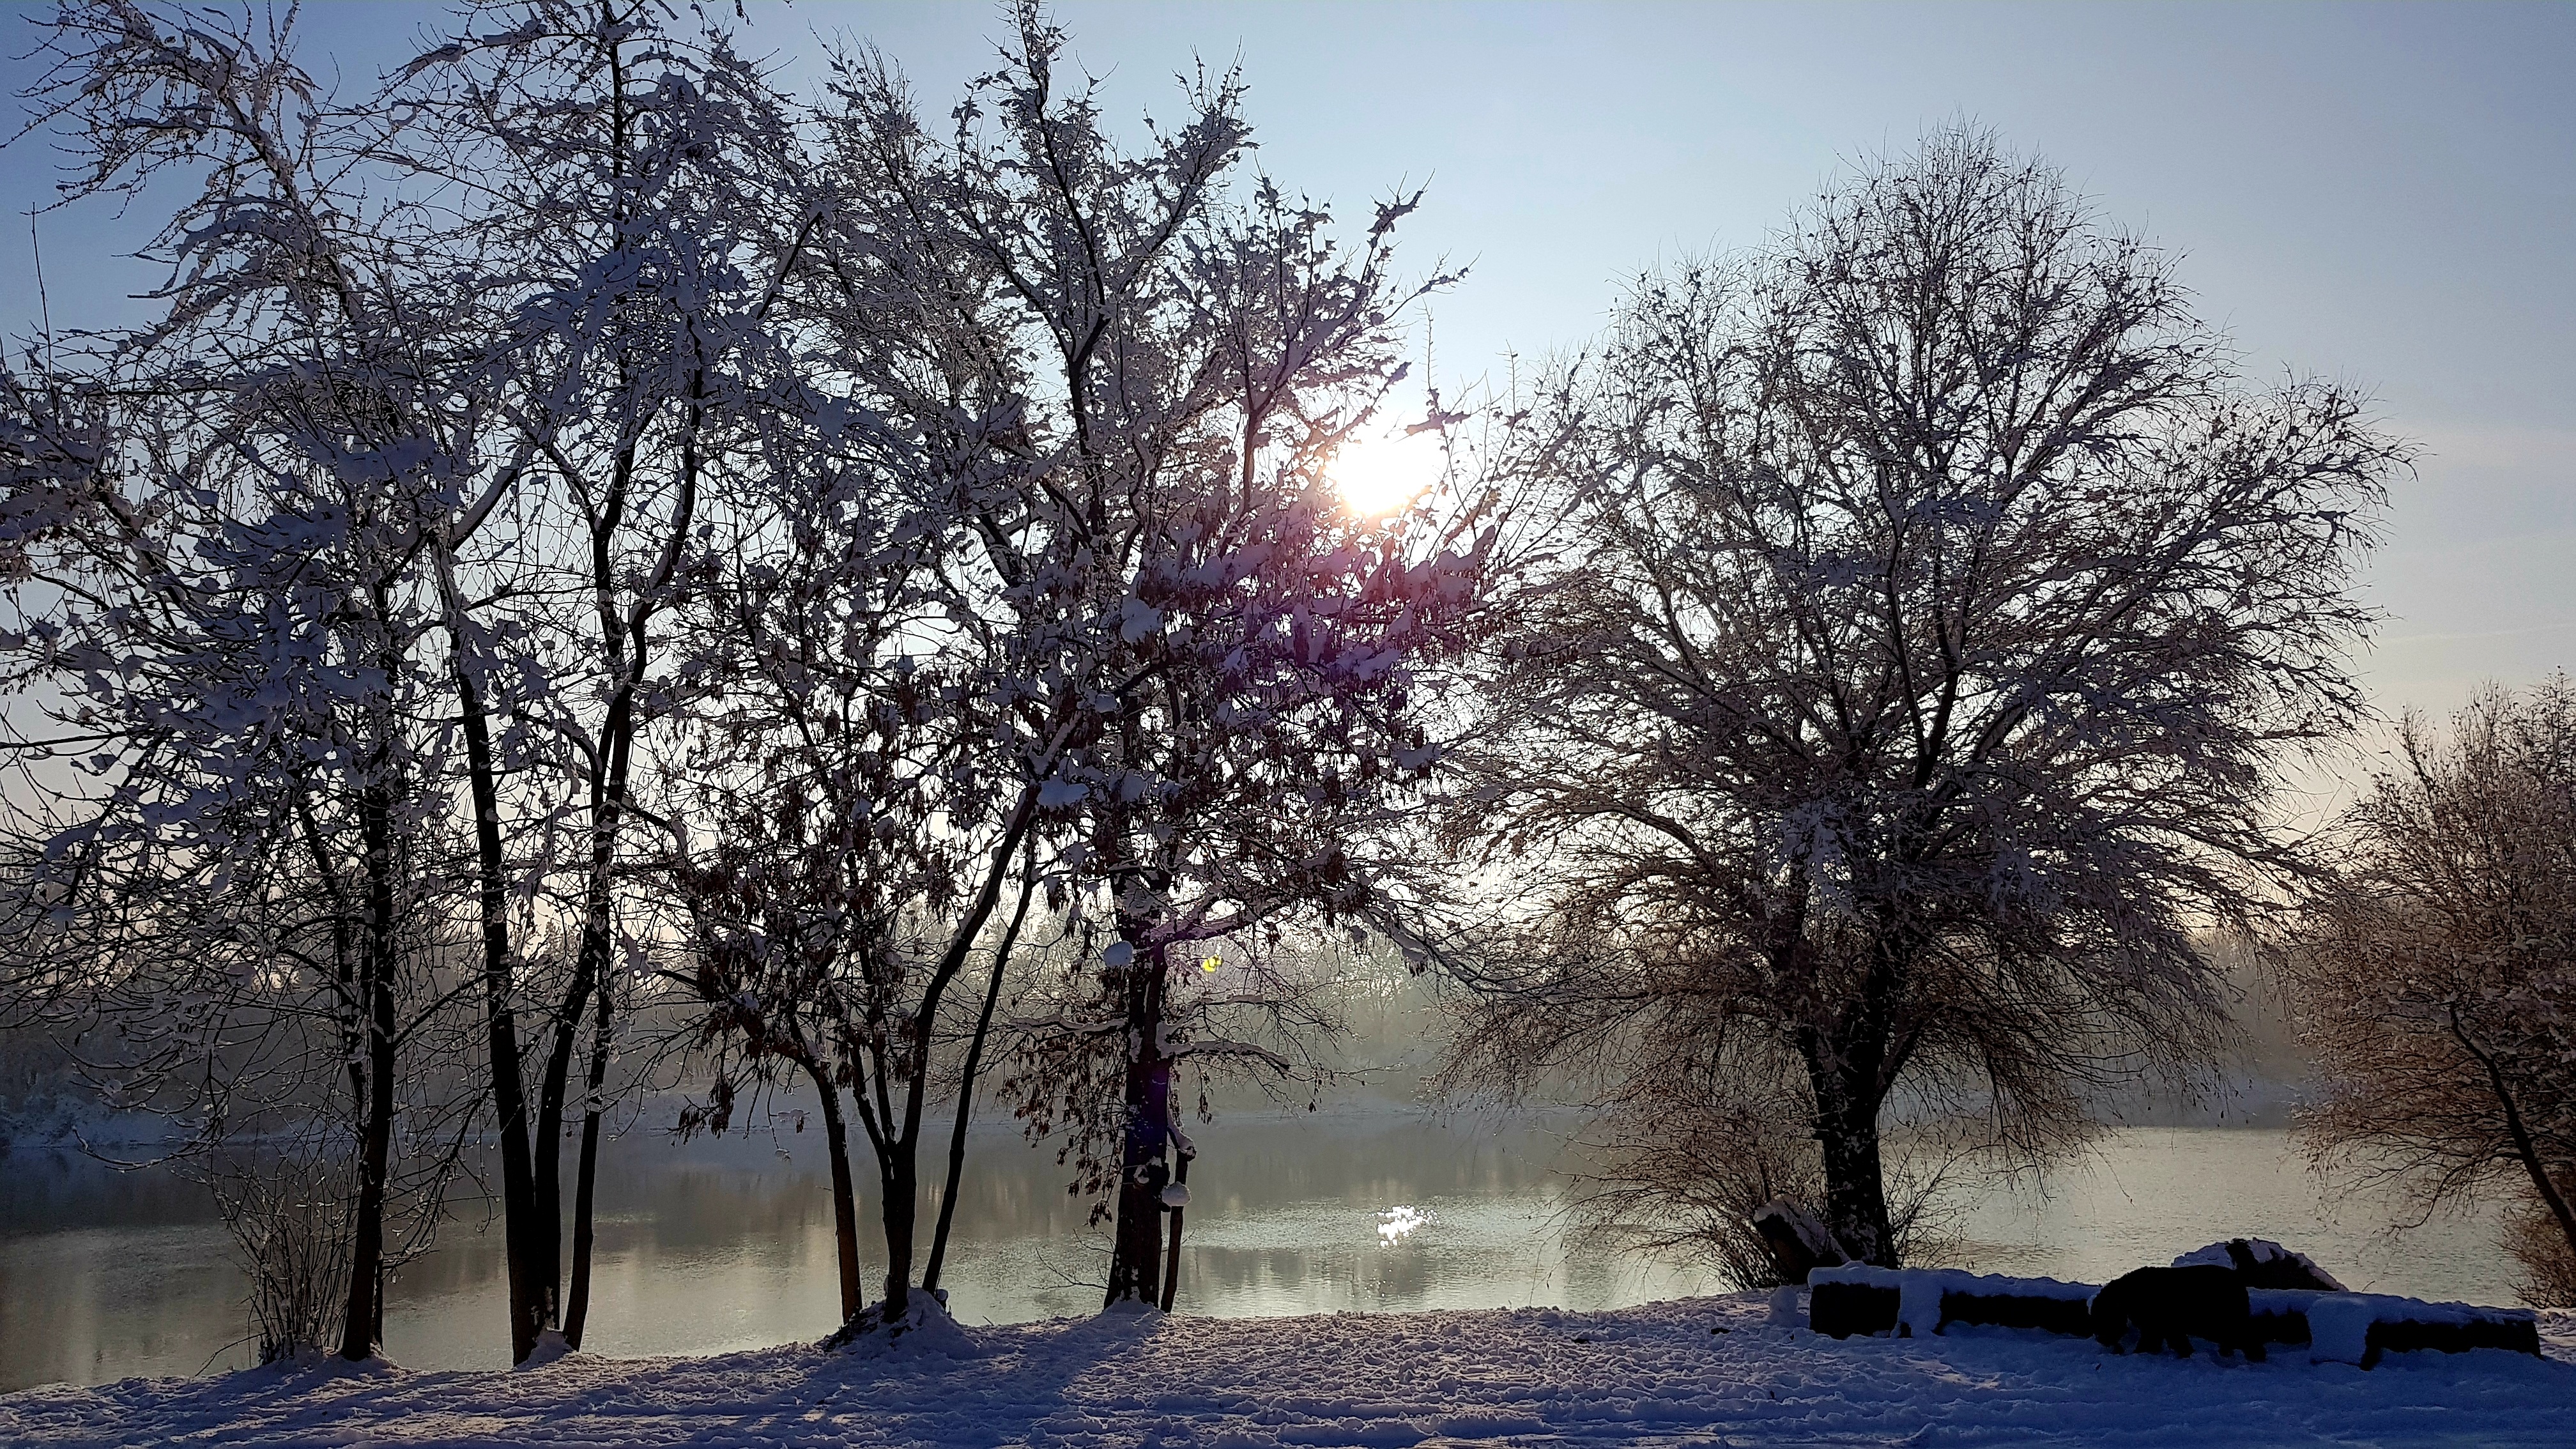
(590, 968)
(547, 1217)
(967, 1078)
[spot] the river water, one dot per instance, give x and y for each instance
(723, 1245)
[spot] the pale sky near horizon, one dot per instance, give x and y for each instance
(2384, 194)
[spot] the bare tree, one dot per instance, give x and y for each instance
(2435, 971)
(1943, 606)
(228, 792)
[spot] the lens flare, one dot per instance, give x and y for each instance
(1383, 475)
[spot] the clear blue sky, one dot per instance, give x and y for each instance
(2385, 194)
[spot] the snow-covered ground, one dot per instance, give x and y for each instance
(1700, 1371)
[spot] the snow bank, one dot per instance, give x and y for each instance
(1698, 1371)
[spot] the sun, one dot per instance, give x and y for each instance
(1383, 475)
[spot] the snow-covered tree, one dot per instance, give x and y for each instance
(628, 192)
(518, 296)
(846, 814)
(1150, 361)
(1945, 604)
(230, 622)
(2434, 972)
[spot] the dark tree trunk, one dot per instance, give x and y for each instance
(1844, 1075)
(501, 1027)
(590, 965)
(2525, 1150)
(365, 1316)
(1135, 1264)
(966, 1079)
(547, 1203)
(1849, 1068)
(898, 1147)
(577, 1302)
(1855, 1184)
(901, 1181)
(845, 1193)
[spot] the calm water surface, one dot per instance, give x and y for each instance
(726, 1245)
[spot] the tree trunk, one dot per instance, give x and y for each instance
(2525, 1150)
(899, 1152)
(902, 1181)
(1856, 1188)
(577, 1302)
(590, 965)
(365, 1316)
(547, 1203)
(966, 1079)
(845, 1193)
(501, 1027)
(1135, 1261)
(1846, 1129)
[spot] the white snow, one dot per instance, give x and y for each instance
(1699, 1371)
(2339, 1327)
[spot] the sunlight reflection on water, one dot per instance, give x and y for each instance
(1396, 1224)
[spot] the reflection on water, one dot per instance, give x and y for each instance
(1397, 1223)
(2153, 1193)
(722, 1245)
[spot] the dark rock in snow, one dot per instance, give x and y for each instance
(1799, 1242)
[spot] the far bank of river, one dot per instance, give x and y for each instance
(713, 1246)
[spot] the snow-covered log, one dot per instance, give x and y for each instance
(1919, 1302)
(2361, 1328)
(2355, 1328)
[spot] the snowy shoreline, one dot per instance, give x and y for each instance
(1699, 1371)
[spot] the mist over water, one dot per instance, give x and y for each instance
(727, 1244)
